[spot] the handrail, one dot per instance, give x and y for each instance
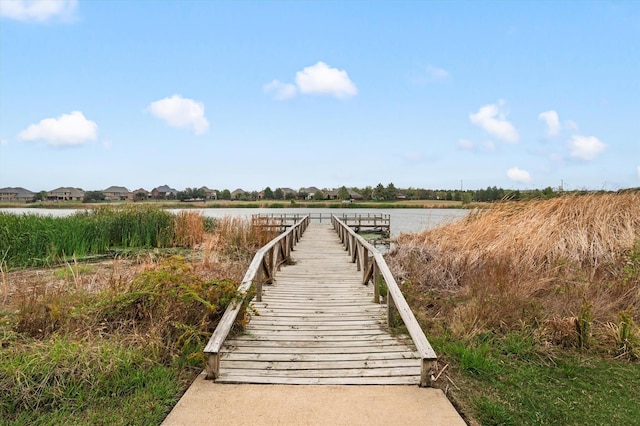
(263, 267)
(359, 250)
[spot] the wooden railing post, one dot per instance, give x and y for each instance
(376, 282)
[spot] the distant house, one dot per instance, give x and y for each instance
(144, 195)
(15, 194)
(287, 191)
(116, 193)
(163, 192)
(354, 195)
(65, 194)
(332, 194)
(238, 194)
(310, 191)
(211, 194)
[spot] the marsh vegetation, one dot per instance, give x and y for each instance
(534, 308)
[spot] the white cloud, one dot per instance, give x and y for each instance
(38, 10)
(516, 174)
(181, 112)
(585, 147)
(68, 129)
(281, 91)
(552, 121)
(436, 73)
(320, 79)
(493, 120)
(466, 145)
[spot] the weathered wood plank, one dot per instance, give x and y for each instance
(259, 379)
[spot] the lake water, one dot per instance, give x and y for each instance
(402, 220)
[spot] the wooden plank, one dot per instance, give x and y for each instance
(278, 357)
(322, 365)
(338, 372)
(232, 379)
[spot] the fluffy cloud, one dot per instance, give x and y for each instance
(553, 123)
(516, 174)
(281, 91)
(320, 79)
(493, 120)
(181, 112)
(66, 130)
(436, 73)
(585, 147)
(38, 10)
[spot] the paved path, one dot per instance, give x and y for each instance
(208, 403)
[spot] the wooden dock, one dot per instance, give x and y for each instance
(371, 223)
(317, 324)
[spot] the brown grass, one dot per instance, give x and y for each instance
(536, 263)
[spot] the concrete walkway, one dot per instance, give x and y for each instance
(208, 403)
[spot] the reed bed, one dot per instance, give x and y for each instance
(34, 240)
(555, 265)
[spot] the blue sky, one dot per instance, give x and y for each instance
(250, 94)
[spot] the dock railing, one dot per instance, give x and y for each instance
(367, 222)
(262, 270)
(373, 266)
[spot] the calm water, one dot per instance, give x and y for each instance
(402, 220)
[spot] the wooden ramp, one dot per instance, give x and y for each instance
(317, 324)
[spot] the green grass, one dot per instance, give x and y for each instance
(513, 380)
(66, 381)
(121, 356)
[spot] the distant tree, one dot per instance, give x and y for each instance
(253, 195)
(225, 194)
(318, 195)
(379, 192)
(391, 193)
(40, 196)
(302, 195)
(278, 194)
(343, 193)
(290, 196)
(268, 193)
(192, 194)
(366, 192)
(93, 197)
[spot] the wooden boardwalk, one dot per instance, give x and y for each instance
(317, 324)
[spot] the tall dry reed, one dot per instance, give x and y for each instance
(537, 262)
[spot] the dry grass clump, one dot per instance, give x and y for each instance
(540, 263)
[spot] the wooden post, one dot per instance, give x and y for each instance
(427, 370)
(212, 366)
(376, 284)
(391, 310)
(365, 259)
